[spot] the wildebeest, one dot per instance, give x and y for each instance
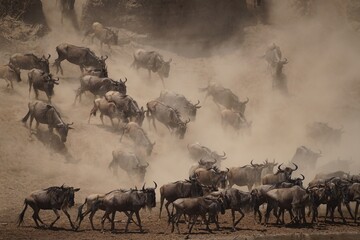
(29, 61)
(52, 198)
(103, 34)
(168, 116)
(334, 200)
(81, 56)
(179, 102)
(179, 189)
(152, 61)
(281, 175)
(194, 207)
(225, 97)
(351, 193)
(212, 177)
(205, 164)
(247, 175)
(43, 81)
(10, 73)
(138, 135)
(67, 9)
(199, 152)
(99, 86)
(294, 198)
(106, 108)
(321, 178)
(99, 72)
(47, 114)
(268, 167)
(131, 201)
(234, 119)
(305, 157)
(127, 106)
(132, 164)
(321, 132)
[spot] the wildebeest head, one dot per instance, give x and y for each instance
(44, 63)
(298, 181)
(164, 69)
(270, 165)
(140, 116)
(287, 171)
(192, 108)
(49, 83)
(71, 195)
(119, 86)
(62, 129)
(101, 61)
(195, 187)
(150, 196)
(15, 73)
(140, 170)
(279, 66)
(181, 129)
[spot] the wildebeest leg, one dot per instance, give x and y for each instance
(340, 212)
(167, 209)
(31, 120)
(349, 210)
(326, 211)
(242, 216)
(91, 219)
(139, 220)
(35, 215)
(68, 216)
(112, 122)
(11, 84)
(356, 209)
(105, 216)
(193, 223)
(36, 93)
(78, 94)
(128, 221)
(102, 118)
(112, 220)
(49, 98)
(162, 80)
(57, 217)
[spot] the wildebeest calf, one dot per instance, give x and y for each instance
(9, 74)
(42, 81)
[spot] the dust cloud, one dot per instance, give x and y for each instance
(323, 84)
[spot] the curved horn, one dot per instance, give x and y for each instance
(251, 162)
(125, 80)
(296, 167)
(187, 121)
(197, 103)
(285, 61)
(155, 185)
(143, 187)
(49, 57)
(246, 101)
(70, 124)
(223, 156)
(303, 177)
(228, 170)
(279, 167)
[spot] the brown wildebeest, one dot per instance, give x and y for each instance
(47, 114)
(234, 119)
(281, 175)
(29, 61)
(106, 108)
(42, 81)
(138, 135)
(212, 177)
(104, 34)
(152, 61)
(52, 198)
(9, 74)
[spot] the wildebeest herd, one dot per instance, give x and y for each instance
(209, 190)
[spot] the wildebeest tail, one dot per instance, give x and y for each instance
(80, 216)
(21, 216)
(26, 117)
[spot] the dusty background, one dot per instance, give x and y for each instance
(319, 38)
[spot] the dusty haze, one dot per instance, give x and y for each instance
(323, 81)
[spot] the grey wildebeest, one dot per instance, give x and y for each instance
(225, 97)
(205, 164)
(351, 193)
(199, 152)
(106, 108)
(179, 189)
(321, 178)
(294, 198)
(67, 9)
(281, 175)
(168, 116)
(29, 61)
(127, 106)
(152, 61)
(42, 81)
(132, 164)
(322, 133)
(10, 73)
(234, 119)
(131, 201)
(99, 86)
(195, 207)
(179, 102)
(103, 34)
(138, 135)
(268, 167)
(305, 157)
(47, 114)
(52, 198)
(248, 175)
(212, 177)
(81, 56)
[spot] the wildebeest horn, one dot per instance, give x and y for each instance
(228, 170)
(49, 56)
(303, 177)
(279, 167)
(70, 124)
(246, 101)
(125, 80)
(186, 122)
(155, 185)
(251, 162)
(104, 58)
(296, 167)
(143, 187)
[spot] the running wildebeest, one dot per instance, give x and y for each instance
(106, 108)
(168, 116)
(10, 73)
(305, 157)
(131, 201)
(81, 56)
(42, 81)
(234, 119)
(52, 198)
(67, 9)
(225, 97)
(152, 61)
(132, 164)
(29, 61)
(103, 34)
(179, 102)
(47, 114)
(98, 72)
(138, 135)
(99, 86)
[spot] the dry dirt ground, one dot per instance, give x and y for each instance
(323, 85)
